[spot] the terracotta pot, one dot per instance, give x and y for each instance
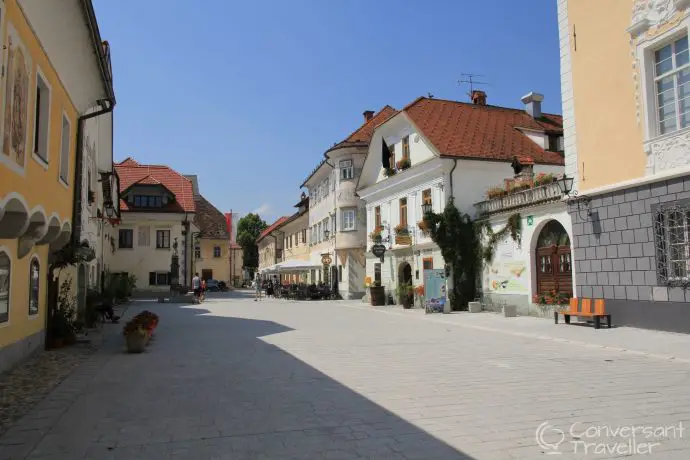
(136, 342)
(378, 295)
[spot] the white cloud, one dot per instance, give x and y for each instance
(263, 209)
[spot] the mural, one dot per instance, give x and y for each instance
(508, 272)
(16, 99)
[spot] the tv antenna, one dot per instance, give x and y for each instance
(469, 78)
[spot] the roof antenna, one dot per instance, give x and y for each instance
(468, 78)
(429, 95)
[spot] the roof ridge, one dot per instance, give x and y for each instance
(470, 104)
(363, 125)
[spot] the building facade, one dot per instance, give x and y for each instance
(295, 266)
(631, 214)
(270, 246)
(337, 218)
(211, 243)
(433, 150)
(157, 219)
(52, 83)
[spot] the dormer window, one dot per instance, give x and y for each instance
(147, 201)
(555, 143)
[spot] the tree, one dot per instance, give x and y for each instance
(248, 230)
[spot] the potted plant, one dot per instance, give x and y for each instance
(544, 179)
(388, 172)
(495, 192)
(376, 234)
(403, 164)
(402, 234)
(405, 293)
(136, 336)
(419, 294)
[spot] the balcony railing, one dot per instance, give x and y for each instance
(528, 197)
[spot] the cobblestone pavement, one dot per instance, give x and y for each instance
(22, 387)
(237, 379)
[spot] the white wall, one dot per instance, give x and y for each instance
(140, 260)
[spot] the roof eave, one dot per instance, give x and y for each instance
(104, 64)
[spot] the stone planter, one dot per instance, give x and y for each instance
(405, 240)
(510, 311)
(136, 342)
(474, 307)
(378, 296)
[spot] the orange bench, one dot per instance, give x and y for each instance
(586, 311)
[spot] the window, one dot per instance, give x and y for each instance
(348, 220)
(319, 232)
(554, 143)
(216, 251)
(64, 150)
(326, 187)
(162, 239)
(426, 196)
(333, 227)
(392, 155)
(377, 217)
(672, 82)
(34, 286)
(197, 252)
(346, 170)
(126, 238)
(326, 227)
(148, 201)
(406, 147)
(377, 274)
(313, 234)
(144, 236)
(304, 236)
(159, 278)
(403, 211)
(673, 245)
(41, 118)
(428, 263)
(340, 273)
(5, 272)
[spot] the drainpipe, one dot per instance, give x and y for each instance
(455, 165)
(107, 106)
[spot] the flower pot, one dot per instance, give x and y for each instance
(136, 342)
(407, 301)
(378, 296)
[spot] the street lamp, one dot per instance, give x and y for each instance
(565, 183)
(426, 208)
(326, 233)
(109, 209)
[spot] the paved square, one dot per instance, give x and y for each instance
(237, 379)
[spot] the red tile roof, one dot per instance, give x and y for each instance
(275, 225)
(132, 173)
(363, 134)
(485, 132)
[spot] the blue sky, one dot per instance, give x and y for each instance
(249, 94)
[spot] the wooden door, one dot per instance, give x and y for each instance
(553, 260)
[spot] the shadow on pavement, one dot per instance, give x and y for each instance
(209, 387)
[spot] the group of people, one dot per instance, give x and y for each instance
(199, 288)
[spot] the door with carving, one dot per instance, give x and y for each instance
(553, 260)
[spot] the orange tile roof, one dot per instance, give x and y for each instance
(485, 132)
(363, 134)
(132, 173)
(275, 225)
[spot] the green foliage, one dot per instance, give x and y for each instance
(248, 230)
(118, 287)
(458, 239)
(62, 320)
(513, 227)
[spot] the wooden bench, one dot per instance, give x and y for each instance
(586, 311)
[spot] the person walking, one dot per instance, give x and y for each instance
(203, 290)
(257, 282)
(196, 287)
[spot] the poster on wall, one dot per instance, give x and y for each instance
(508, 277)
(435, 291)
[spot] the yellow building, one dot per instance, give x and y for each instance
(212, 245)
(52, 83)
(295, 266)
(625, 78)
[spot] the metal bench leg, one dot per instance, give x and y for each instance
(608, 321)
(597, 322)
(555, 317)
(567, 319)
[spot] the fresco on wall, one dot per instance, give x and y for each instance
(16, 99)
(508, 273)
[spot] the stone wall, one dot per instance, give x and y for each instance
(615, 256)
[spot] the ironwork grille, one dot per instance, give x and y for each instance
(672, 239)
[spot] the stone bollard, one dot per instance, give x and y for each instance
(510, 311)
(475, 307)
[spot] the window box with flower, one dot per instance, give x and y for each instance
(403, 164)
(376, 234)
(402, 235)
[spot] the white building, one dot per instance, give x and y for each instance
(435, 149)
(157, 209)
(337, 221)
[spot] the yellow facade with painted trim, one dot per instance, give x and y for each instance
(609, 137)
(36, 182)
(220, 266)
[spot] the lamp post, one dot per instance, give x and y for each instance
(565, 183)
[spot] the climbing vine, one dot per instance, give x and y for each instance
(513, 228)
(457, 237)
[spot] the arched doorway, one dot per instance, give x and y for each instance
(553, 260)
(404, 273)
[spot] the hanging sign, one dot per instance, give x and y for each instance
(378, 250)
(326, 259)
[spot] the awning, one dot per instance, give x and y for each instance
(296, 265)
(269, 269)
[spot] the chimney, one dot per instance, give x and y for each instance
(532, 103)
(368, 115)
(478, 97)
